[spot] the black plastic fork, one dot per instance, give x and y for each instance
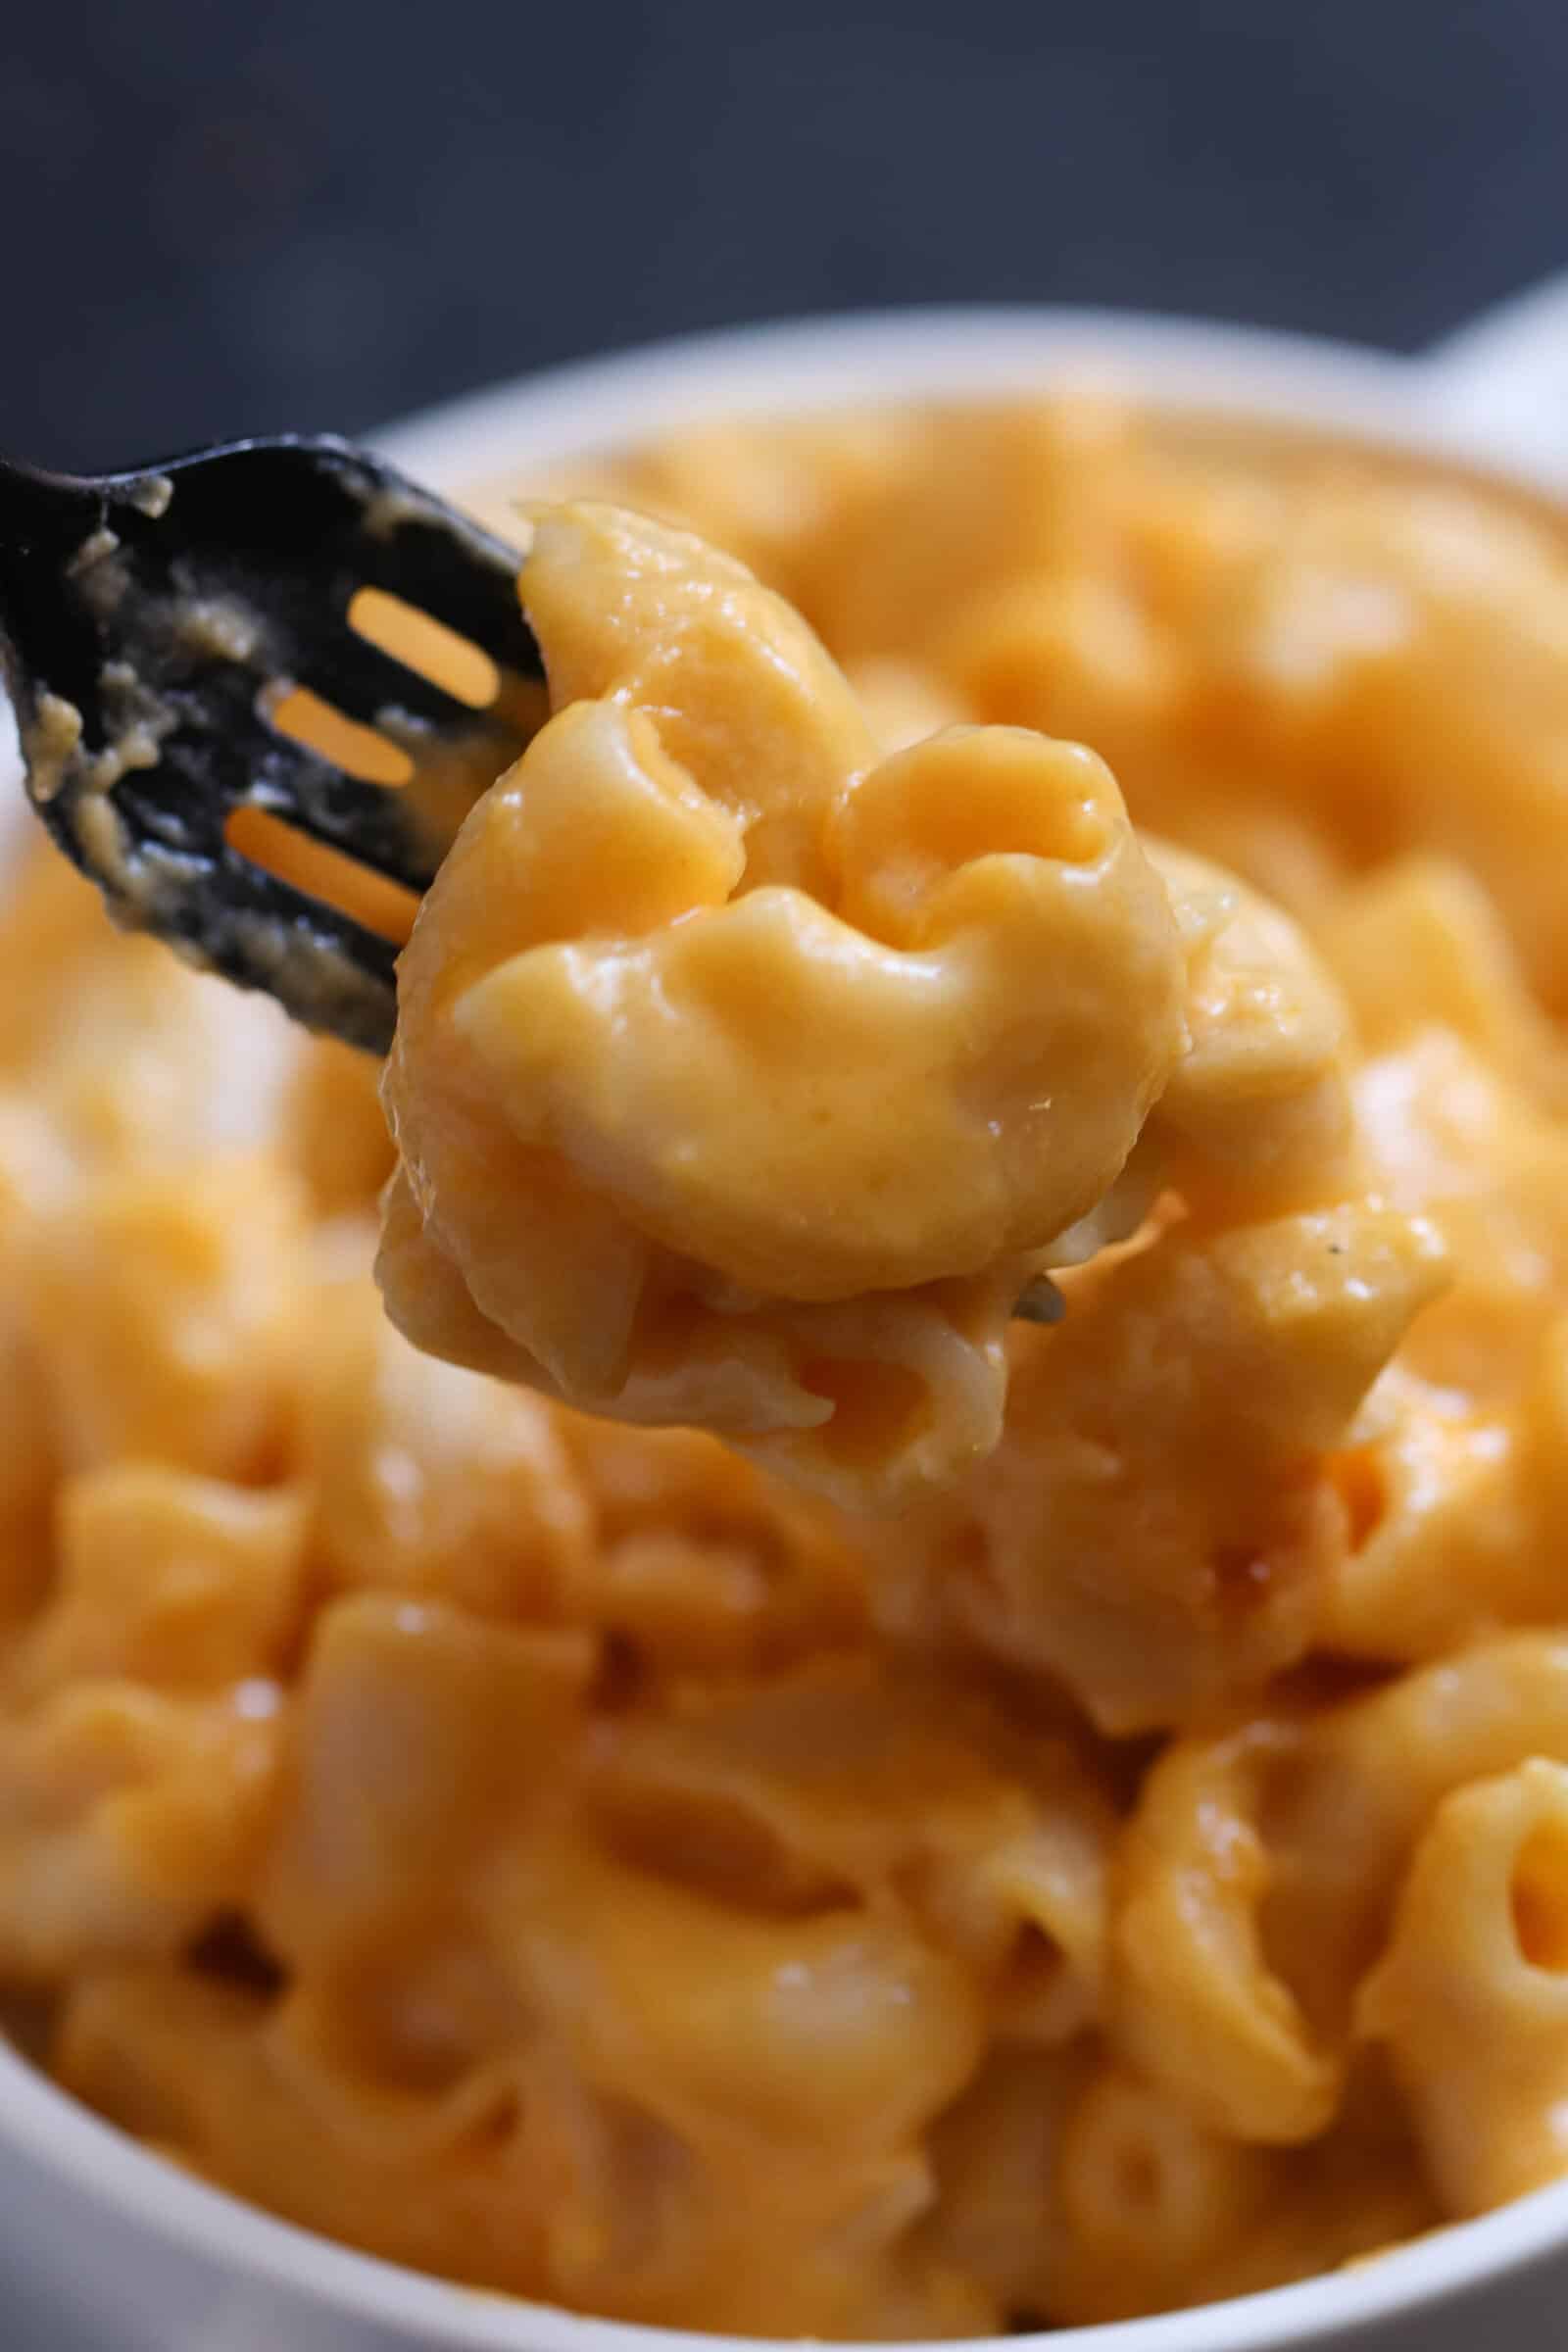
(151, 621)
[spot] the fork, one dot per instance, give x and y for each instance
(184, 649)
(153, 628)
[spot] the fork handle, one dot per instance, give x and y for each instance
(44, 518)
(41, 512)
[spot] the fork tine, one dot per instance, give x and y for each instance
(325, 968)
(176, 805)
(360, 680)
(413, 547)
(396, 830)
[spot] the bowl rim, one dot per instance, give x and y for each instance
(818, 363)
(106, 2167)
(579, 409)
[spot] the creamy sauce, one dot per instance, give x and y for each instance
(151, 496)
(49, 742)
(220, 629)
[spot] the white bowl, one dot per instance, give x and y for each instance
(104, 2248)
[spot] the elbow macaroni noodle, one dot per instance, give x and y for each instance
(1093, 1836)
(742, 1077)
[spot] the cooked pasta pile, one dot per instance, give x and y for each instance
(1096, 1839)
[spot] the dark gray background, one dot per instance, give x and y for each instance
(219, 218)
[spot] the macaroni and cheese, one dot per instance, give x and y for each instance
(742, 1077)
(1093, 1836)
